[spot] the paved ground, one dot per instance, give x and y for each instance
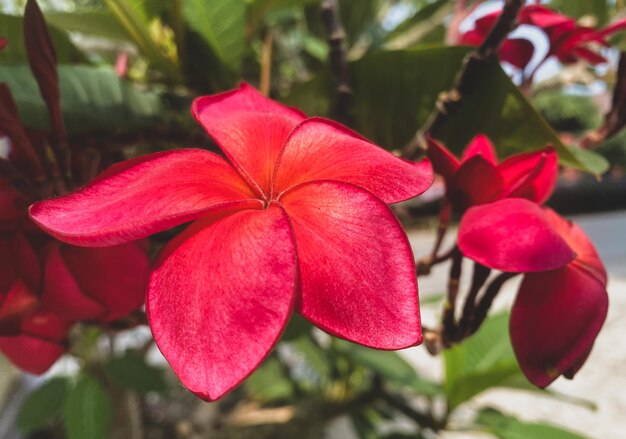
(603, 378)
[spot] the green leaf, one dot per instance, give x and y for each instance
(388, 364)
(92, 99)
(133, 373)
(11, 28)
(396, 91)
(42, 406)
(133, 18)
(269, 383)
(483, 361)
(96, 23)
(509, 427)
(87, 410)
(599, 9)
(297, 327)
(221, 23)
(315, 357)
(421, 25)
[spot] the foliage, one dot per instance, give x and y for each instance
(568, 113)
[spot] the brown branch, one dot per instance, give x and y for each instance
(481, 273)
(448, 319)
(338, 59)
(468, 76)
(399, 403)
(615, 119)
(482, 309)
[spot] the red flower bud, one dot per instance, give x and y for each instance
(477, 178)
(43, 63)
(557, 314)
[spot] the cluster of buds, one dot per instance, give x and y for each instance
(568, 41)
(562, 300)
(47, 286)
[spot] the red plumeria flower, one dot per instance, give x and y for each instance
(101, 284)
(297, 218)
(562, 301)
(40, 341)
(568, 41)
(477, 178)
(515, 51)
(20, 275)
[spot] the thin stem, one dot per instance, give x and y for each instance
(487, 299)
(424, 265)
(338, 59)
(399, 403)
(266, 63)
(481, 273)
(449, 321)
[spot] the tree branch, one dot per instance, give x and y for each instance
(487, 300)
(470, 73)
(338, 59)
(615, 119)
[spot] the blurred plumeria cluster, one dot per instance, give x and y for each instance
(46, 286)
(568, 41)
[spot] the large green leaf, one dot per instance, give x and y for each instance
(269, 383)
(87, 410)
(92, 99)
(396, 91)
(97, 23)
(483, 361)
(12, 28)
(599, 9)
(42, 406)
(388, 364)
(132, 372)
(221, 23)
(508, 427)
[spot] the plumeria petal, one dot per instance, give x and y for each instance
(443, 161)
(17, 304)
(39, 345)
(62, 293)
(555, 320)
(357, 270)
(531, 175)
(477, 181)
(220, 295)
(115, 277)
(250, 128)
(512, 235)
(320, 149)
(31, 354)
(88, 283)
(481, 146)
(517, 51)
(586, 255)
(142, 196)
